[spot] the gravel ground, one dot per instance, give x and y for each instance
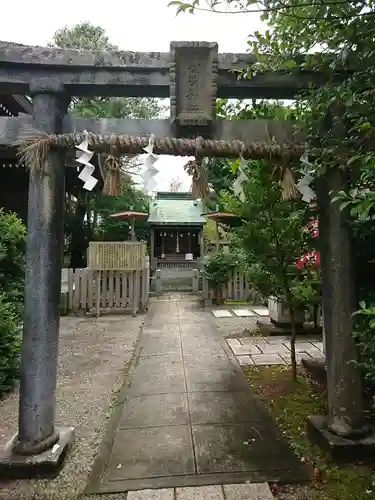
(94, 355)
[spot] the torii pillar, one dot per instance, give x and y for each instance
(39, 447)
(342, 432)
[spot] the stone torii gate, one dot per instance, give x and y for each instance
(193, 75)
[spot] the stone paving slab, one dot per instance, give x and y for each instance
(259, 491)
(222, 313)
(225, 407)
(164, 382)
(263, 351)
(157, 363)
(244, 313)
(189, 417)
(247, 312)
(161, 494)
(255, 491)
(260, 311)
(151, 452)
(268, 359)
(169, 409)
(200, 493)
(240, 446)
(245, 360)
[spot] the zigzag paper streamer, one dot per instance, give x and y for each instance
(303, 185)
(84, 159)
(241, 178)
(151, 171)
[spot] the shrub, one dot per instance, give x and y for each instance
(10, 338)
(364, 334)
(12, 258)
(218, 269)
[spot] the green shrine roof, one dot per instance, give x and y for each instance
(175, 209)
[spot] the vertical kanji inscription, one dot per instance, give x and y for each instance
(193, 80)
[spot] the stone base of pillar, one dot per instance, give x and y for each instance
(342, 450)
(316, 369)
(44, 465)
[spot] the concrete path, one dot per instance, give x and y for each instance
(260, 351)
(189, 417)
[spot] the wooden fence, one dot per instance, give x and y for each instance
(237, 288)
(97, 292)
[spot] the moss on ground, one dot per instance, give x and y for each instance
(290, 404)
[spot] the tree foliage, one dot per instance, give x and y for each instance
(10, 339)
(221, 172)
(85, 36)
(12, 277)
(273, 236)
(12, 258)
(110, 229)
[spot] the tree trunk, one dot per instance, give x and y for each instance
(218, 294)
(78, 243)
(293, 343)
(289, 301)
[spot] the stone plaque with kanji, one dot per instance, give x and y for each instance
(193, 80)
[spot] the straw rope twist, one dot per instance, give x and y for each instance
(34, 151)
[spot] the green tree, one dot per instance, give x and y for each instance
(12, 277)
(109, 229)
(220, 171)
(273, 238)
(85, 36)
(12, 258)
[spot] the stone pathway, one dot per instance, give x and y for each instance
(189, 416)
(262, 351)
(243, 312)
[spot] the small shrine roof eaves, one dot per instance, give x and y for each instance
(176, 212)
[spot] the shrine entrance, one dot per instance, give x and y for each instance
(193, 75)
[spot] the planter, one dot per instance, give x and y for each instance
(280, 314)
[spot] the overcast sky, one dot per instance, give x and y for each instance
(140, 25)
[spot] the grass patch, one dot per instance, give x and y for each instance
(290, 404)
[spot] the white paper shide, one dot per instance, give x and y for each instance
(150, 171)
(240, 179)
(303, 185)
(84, 156)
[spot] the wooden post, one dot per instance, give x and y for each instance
(136, 291)
(132, 230)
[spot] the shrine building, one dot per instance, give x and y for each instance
(176, 226)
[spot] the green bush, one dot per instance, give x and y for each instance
(364, 334)
(10, 338)
(217, 270)
(12, 258)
